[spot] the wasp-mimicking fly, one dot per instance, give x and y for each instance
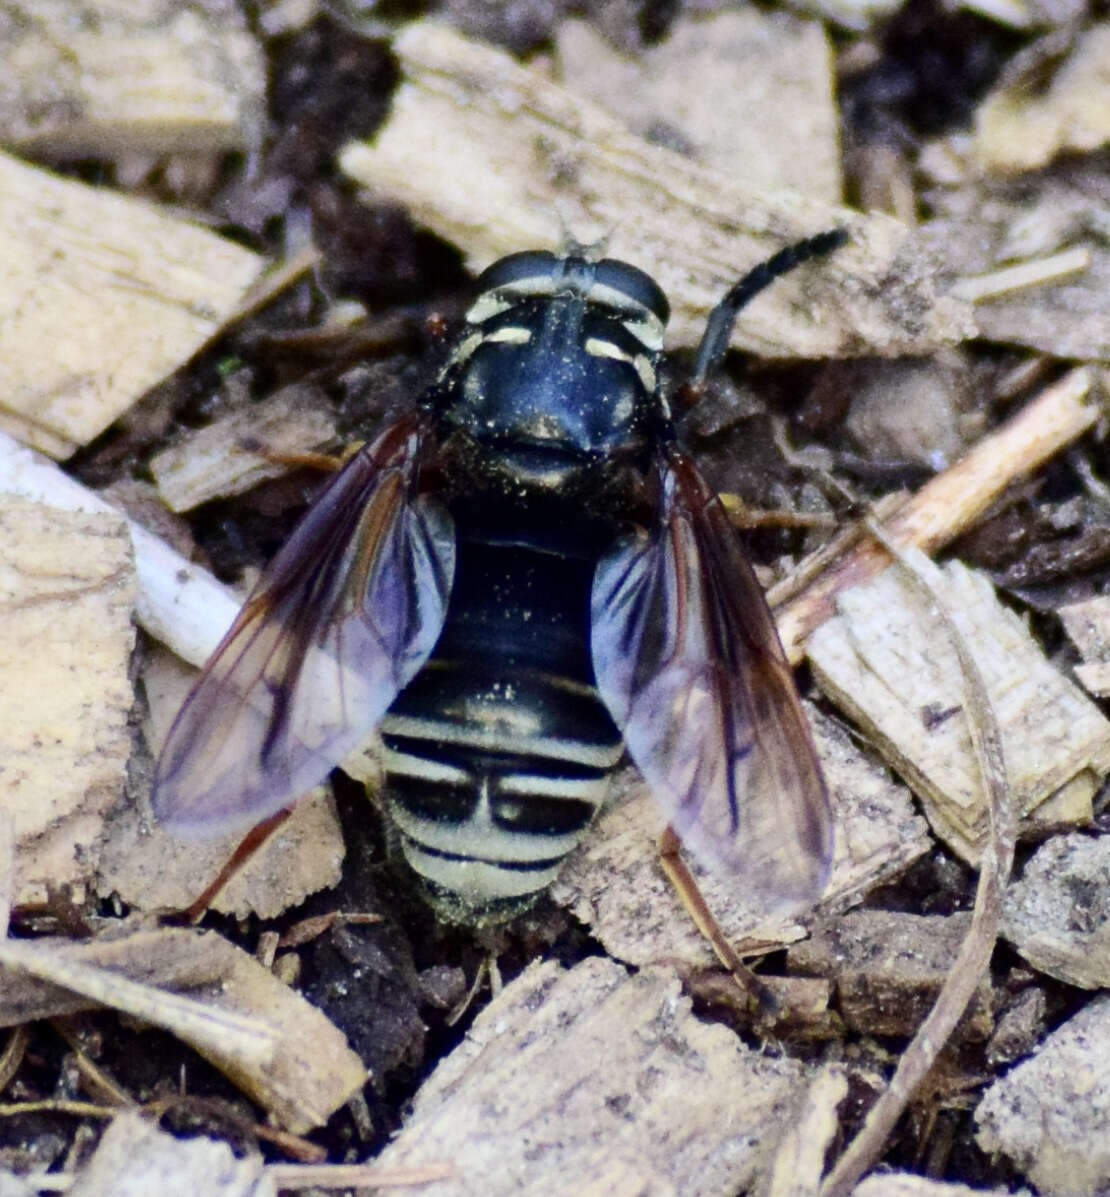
(515, 582)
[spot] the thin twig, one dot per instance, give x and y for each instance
(973, 958)
(98, 1083)
(355, 1176)
(12, 1055)
(53, 1105)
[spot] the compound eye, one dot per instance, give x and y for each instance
(634, 285)
(532, 271)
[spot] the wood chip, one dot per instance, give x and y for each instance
(67, 588)
(1048, 1115)
(1064, 316)
(12, 1185)
(1058, 914)
(905, 1184)
(221, 459)
(153, 869)
(178, 602)
(1031, 251)
(615, 885)
(1034, 272)
(883, 662)
(134, 1159)
(1018, 1028)
(496, 158)
(888, 967)
(800, 1158)
(136, 76)
(763, 109)
(1023, 124)
(596, 1083)
(857, 15)
(1087, 623)
(279, 1049)
(122, 294)
(184, 605)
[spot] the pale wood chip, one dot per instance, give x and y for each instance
(888, 967)
(1087, 623)
(142, 76)
(810, 1130)
(496, 158)
(12, 1185)
(121, 293)
(1019, 126)
(615, 885)
(763, 110)
(277, 1047)
(882, 661)
(1030, 250)
(67, 585)
(905, 1184)
(135, 1159)
(1048, 1115)
(857, 15)
(1059, 309)
(222, 459)
(596, 1082)
(178, 602)
(1058, 914)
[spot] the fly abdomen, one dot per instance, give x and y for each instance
(500, 751)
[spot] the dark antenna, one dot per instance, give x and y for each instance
(718, 328)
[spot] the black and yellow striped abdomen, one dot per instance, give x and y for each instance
(499, 752)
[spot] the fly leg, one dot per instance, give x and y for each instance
(680, 877)
(248, 846)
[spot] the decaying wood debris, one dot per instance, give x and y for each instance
(1048, 1115)
(578, 1077)
(880, 661)
(1087, 622)
(67, 590)
(1058, 914)
(151, 869)
(614, 884)
(225, 457)
(134, 1157)
(904, 1184)
(594, 1081)
(945, 506)
(273, 1043)
(178, 602)
(124, 294)
(1024, 124)
(888, 968)
(134, 78)
(763, 112)
(497, 158)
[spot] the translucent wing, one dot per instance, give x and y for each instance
(690, 666)
(341, 620)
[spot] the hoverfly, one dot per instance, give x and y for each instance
(515, 582)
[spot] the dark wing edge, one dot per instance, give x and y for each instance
(340, 621)
(688, 661)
